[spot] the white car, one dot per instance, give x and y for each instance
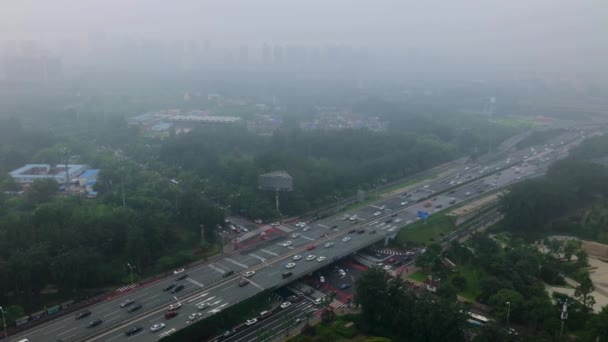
(175, 306)
(310, 257)
(329, 244)
(290, 265)
(194, 316)
(377, 213)
(426, 186)
(285, 305)
(287, 243)
(295, 235)
(397, 220)
(387, 267)
(202, 306)
(404, 203)
(305, 229)
(346, 239)
(181, 270)
(468, 193)
(297, 257)
(274, 224)
(408, 221)
(258, 221)
(322, 279)
(157, 327)
(251, 321)
(249, 274)
(321, 258)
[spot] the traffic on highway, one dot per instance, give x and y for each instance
(155, 310)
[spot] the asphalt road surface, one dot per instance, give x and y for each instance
(207, 284)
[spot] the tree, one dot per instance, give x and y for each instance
(582, 259)
(596, 328)
(583, 291)
(513, 309)
(42, 190)
(459, 282)
(569, 250)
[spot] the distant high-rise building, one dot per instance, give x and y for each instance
(243, 55)
(266, 54)
(277, 55)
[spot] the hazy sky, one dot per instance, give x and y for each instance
(538, 29)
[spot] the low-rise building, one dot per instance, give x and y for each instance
(32, 172)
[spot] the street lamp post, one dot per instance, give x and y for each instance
(4, 323)
(131, 268)
(508, 313)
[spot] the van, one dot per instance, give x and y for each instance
(287, 274)
(24, 340)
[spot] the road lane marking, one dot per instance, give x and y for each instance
(198, 297)
(269, 252)
(213, 267)
(256, 285)
(257, 257)
(236, 263)
(147, 299)
(67, 331)
(206, 300)
(111, 313)
(322, 225)
(156, 319)
(307, 238)
(115, 337)
(195, 282)
(111, 319)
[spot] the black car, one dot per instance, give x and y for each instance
(133, 331)
(182, 276)
(228, 274)
(169, 288)
(177, 288)
(83, 314)
(94, 323)
(134, 308)
(287, 274)
(361, 231)
(394, 215)
(334, 226)
(398, 263)
(352, 231)
(388, 221)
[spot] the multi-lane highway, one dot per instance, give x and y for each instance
(314, 246)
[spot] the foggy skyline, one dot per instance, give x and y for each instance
(548, 33)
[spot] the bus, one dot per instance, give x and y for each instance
(477, 320)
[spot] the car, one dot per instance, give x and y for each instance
(134, 308)
(169, 287)
(310, 257)
(361, 231)
(83, 314)
(404, 203)
(426, 186)
(174, 306)
(178, 288)
(94, 323)
(297, 257)
(310, 247)
(285, 305)
(329, 244)
(252, 321)
(228, 274)
(243, 229)
(249, 274)
(134, 330)
(398, 263)
(182, 276)
(394, 215)
(290, 265)
(127, 303)
(170, 314)
(345, 286)
(274, 224)
(468, 193)
(156, 327)
(428, 204)
(388, 221)
(439, 206)
(243, 282)
(392, 260)
(258, 221)
(286, 274)
(346, 239)
(195, 315)
(397, 220)
(202, 306)
(387, 267)
(305, 229)
(181, 270)
(287, 243)
(321, 258)
(229, 333)
(295, 235)
(452, 200)
(372, 231)
(377, 213)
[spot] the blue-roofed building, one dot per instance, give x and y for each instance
(88, 179)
